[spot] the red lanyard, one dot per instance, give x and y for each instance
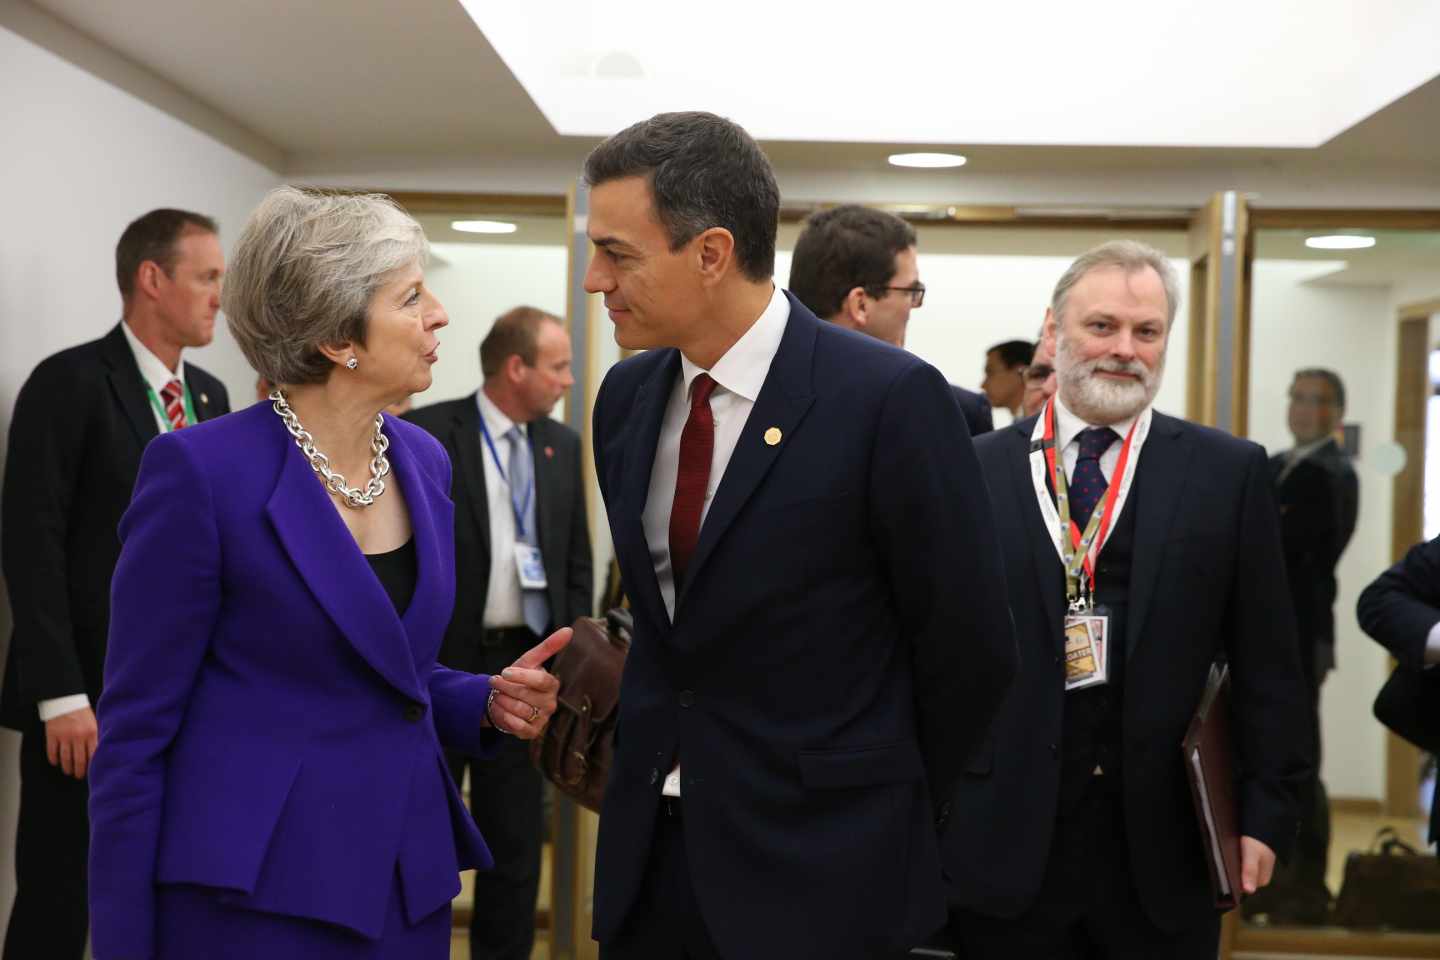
(1078, 540)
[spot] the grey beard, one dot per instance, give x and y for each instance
(1110, 401)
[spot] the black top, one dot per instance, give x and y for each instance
(397, 571)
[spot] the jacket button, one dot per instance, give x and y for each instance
(654, 776)
(414, 712)
(687, 698)
(1054, 750)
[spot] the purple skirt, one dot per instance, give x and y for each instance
(192, 922)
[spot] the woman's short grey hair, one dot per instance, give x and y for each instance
(304, 272)
(1129, 255)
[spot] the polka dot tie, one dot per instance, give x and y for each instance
(1088, 484)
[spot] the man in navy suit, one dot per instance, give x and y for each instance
(820, 626)
(856, 267)
(1078, 805)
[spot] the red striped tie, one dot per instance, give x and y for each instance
(697, 447)
(174, 396)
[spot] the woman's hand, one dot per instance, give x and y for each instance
(523, 694)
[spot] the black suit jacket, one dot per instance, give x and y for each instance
(81, 421)
(1318, 502)
(976, 408)
(1398, 610)
(559, 515)
(841, 642)
(1206, 574)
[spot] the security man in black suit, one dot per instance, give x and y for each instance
(81, 421)
(517, 489)
(1318, 494)
(856, 267)
(1401, 610)
(1072, 832)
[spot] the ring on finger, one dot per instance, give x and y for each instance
(534, 714)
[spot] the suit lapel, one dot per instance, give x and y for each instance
(783, 402)
(1160, 486)
(200, 396)
(432, 515)
(128, 386)
(545, 534)
(1049, 576)
(643, 437)
(465, 441)
(332, 566)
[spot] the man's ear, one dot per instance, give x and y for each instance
(1051, 324)
(514, 368)
(715, 254)
(148, 278)
(856, 308)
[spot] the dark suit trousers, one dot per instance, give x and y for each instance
(50, 917)
(505, 800)
(665, 922)
(1088, 908)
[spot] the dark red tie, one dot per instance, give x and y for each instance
(697, 447)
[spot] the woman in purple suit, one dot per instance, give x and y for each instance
(269, 781)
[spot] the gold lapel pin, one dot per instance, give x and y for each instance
(772, 436)
(204, 398)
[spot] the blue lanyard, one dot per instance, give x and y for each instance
(523, 507)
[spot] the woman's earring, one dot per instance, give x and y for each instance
(351, 364)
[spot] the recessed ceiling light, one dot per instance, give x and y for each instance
(1339, 241)
(483, 226)
(927, 160)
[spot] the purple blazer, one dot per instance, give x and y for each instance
(269, 725)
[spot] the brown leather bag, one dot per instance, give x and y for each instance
(577, 748)
(1393, 885)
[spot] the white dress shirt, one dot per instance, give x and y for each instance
(1297, 454)
(738, 376)
(1432, 647)
(504, 606)
(1068, 428)
(154, 372)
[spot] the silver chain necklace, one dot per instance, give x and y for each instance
(379, 465)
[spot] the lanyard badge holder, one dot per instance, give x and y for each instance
(529, 563)
(1086, 626)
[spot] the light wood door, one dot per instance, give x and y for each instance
(1221, 250)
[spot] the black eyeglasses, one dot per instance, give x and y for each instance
(917, 293)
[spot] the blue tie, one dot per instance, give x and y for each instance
(1087, 486)
(522, 496)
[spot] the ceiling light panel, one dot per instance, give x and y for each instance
(1144, 74)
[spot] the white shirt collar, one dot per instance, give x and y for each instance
(152, 368)
(1068, 425)
(495, 419)
(1301, 452)
(743, 368)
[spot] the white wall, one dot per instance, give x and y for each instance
(1351, 330)
(81, 160)
(477, 283)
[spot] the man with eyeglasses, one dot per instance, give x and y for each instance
(856, 267)
(1040, 383)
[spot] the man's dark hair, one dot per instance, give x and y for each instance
(1329, 376)
(844, 248)
(153, 237)
(515, 333)
(704, 171)
(1014, 353)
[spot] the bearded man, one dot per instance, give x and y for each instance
(1072, 832)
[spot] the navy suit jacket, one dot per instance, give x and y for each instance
(976, 408)
(840, 644)
(1207, 577)
(270, 725)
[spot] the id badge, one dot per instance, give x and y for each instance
(1086, 650)
(530, 567)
